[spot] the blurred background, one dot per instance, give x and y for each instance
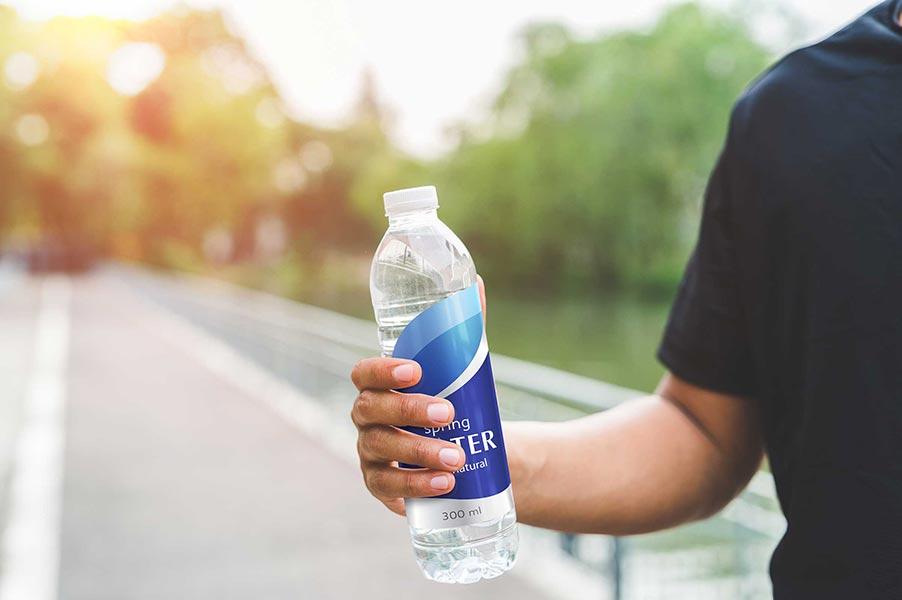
(190, 199)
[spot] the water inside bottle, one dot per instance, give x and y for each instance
(418, 264)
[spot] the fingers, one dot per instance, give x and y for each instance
(396, 505)
(392, 408)
(385, 373)
(389, 483)
(383, 444)
(378, 412)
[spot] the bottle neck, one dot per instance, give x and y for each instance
(407, 219)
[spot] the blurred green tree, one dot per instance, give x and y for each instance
(589, 171)
(586, 174)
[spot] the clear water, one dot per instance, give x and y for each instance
(419, 262)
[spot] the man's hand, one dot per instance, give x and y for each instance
(378, 412)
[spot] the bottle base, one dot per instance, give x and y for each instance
(468, 563)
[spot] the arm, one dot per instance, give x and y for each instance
(651, 463)
(648, 464)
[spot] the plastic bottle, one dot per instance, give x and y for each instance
(425, 296)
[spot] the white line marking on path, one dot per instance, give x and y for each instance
(31, 540)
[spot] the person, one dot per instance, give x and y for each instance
(785, 337)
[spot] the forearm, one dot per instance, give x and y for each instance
(643, 466)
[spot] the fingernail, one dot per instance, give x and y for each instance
(440, 482)
(403, 373)
(449, 456)
(438, 412)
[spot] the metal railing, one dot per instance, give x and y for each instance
(314, 349)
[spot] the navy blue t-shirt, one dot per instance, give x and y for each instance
(793, 298)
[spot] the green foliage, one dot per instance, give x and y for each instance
(589, 172)
(585, 175)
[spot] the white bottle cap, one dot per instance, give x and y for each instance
(410, 199)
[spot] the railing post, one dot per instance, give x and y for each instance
(617, 568)
(568, 543)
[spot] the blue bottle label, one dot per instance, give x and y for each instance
(448, 341)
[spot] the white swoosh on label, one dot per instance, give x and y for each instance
(481, 353)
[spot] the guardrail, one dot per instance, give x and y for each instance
(313, 349)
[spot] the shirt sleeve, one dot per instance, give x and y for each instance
(706, 340)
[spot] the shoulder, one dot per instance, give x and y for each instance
(778, 97)
(803, 85)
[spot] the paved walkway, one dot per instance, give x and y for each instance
(178, 485)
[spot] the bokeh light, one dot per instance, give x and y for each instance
(230, 64)
(134, 66)
(316, 156)
(20, 70)
(217, 245)
(32, 129)
(269, 113)
(288, 175)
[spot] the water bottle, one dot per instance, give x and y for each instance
(425, 296)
